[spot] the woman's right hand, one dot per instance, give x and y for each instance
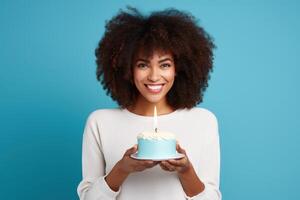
(129, 165)
(125, 166)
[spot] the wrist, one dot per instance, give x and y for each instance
(116, 177)
(187, 170)
(120, 169)
(190, 181)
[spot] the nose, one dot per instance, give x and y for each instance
(153, 74)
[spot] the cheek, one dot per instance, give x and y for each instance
(170, 76)
(139, 78)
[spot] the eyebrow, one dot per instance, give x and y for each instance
(147, 61)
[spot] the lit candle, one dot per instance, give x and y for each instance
(155, 120)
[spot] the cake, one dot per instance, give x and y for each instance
(156, 145)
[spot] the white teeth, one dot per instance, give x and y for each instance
(154, 87)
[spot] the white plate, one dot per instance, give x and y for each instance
(177, 156)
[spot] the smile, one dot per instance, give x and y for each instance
(154, 88)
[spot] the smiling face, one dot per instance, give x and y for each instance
(154, 77)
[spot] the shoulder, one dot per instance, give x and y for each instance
(102, 114)
(202, 113)
(206, 120)
(200, 116)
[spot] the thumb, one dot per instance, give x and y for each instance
(179, 149)
(131, 150)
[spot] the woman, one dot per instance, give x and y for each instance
(161, 60)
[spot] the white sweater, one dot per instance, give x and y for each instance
(110, 132)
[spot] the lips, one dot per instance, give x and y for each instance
(154, 88)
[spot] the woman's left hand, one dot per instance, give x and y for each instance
(180, 165)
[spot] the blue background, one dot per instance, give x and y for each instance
(48, 88)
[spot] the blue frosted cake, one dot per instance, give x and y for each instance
(156, 145)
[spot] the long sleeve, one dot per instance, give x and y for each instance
(93, 185)
(209, 170)
(104, 144)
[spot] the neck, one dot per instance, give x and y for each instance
(146, 108)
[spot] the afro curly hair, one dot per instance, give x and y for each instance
(129, 33)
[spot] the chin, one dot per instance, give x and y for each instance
(154, 100)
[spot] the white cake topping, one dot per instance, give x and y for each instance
(160, 135)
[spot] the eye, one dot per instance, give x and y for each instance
(165, 65)
(141, 65)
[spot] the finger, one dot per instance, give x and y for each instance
(167, 169)
(177, 163)
(131, 150)
(180, 149)
(148, 163)
(163, 167)
(155, 162)
(168, 166)
(142, 165)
